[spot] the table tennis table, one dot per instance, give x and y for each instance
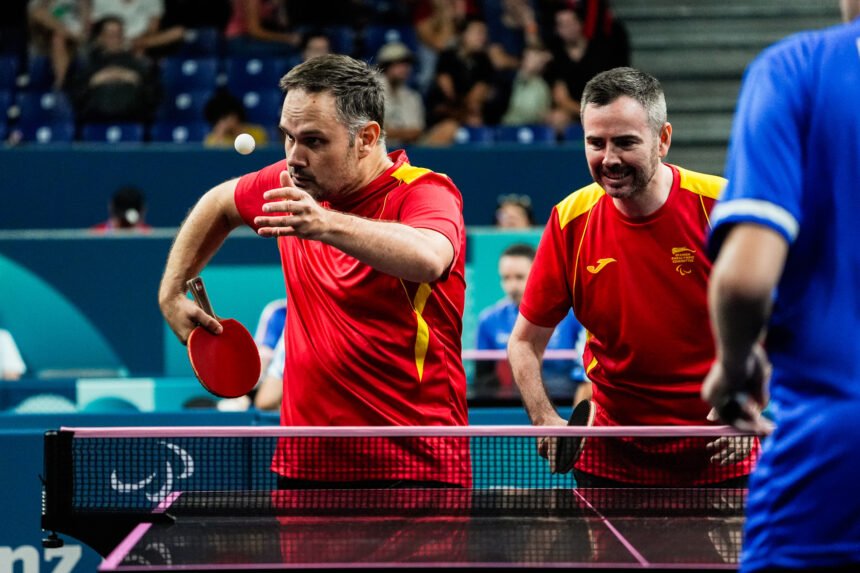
(514, 513)
(576, 528)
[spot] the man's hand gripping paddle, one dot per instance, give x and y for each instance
(227, 364)
(568, 449)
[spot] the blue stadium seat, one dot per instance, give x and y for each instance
(254, 74)
(263, 107)
(8, 72)
(45, 107)
(113, 132)
(469, 135)
(574, 133)
(342, 39)
(200, 43)
(40, 74)
(525, 134)
(377, 36)
(170, 132)
(5, 101)
(188, 74)
(184, 106)
(47, 132)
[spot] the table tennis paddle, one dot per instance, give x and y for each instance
(568, 449)
(227, 364)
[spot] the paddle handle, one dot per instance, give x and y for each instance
(198, 291)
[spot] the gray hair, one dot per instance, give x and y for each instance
(608, 86)
(357, 89)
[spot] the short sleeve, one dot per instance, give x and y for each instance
(547, 298)
(250, 188)
(766, 149)
(435, 203)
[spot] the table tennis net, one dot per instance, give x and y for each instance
(240, 471)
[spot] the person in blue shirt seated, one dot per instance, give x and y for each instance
(564, 378)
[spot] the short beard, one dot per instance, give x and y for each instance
(641, 178)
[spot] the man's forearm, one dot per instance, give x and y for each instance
(740, 291)
(199, 237)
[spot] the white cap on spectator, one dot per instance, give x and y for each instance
(394, 52)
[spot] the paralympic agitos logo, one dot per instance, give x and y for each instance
(177, 465)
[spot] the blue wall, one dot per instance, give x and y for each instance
(69, 186)
(80, 303)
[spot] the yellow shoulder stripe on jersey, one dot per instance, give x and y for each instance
(408, 173)
(578, 202)
(710, 186)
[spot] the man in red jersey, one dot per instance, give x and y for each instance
(373, 253)
(627, 253)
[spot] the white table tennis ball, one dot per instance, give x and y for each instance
(244, 143)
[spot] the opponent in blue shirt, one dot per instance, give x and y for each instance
(562, 377)
(789, 270)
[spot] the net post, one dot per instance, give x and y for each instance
(57, 481)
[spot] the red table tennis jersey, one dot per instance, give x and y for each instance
(639, 287)
(364, 348)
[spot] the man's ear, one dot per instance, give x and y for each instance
(367, 138)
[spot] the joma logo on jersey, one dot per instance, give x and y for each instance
(594, 269)
(682, 257)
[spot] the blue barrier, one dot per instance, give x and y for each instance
(63, 187)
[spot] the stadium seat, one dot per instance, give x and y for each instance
(377, 36)
(46, 132)
(469, 135)
(263, 107)
(254, 74)
(184, 106)
(112, 132)
(44, 107)
(574, 133)
(525, 134)
(8, 72)
(5, 102)
(189, 74)
(342, 39)
(170, 132)
(40, 74)
(200, 43)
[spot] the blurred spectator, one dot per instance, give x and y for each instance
(600, 25)
(316, 43)
(437, 24)
(463, 86)
(575, 61)
(181, 16)
(139, 18)
(270, 390)
(113, 84)
(531, 96)
(126, 213)
(512, 26)
(12, 366)
(13, 28)
(59, 28)
(226, 116)
(404, 108)
(261, 28)
(496, 322)
(514, 212)
(270, 329)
